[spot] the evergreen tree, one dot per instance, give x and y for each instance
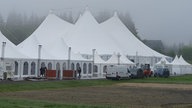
(186, 52)
(1, 22)
(127, 20)
(103, 16)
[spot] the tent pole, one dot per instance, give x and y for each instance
(118, 55)
(39, 58)
(69, 57)
(93, 60)
(3, 51)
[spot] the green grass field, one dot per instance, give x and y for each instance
(6, 102)
(185, 79)
(29, 85)
(21, 103)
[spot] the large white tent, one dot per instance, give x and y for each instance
(61, 45)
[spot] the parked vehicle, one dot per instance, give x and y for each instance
(136, 73)
(117, 72)
(6, 70)
(162, 72)
(147, 70)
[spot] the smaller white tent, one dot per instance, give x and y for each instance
(119, 59)
(180, 66)
(176, 61)
(163, 61)
(182, 61)
(98, 59)
(186, 68)
(176, 66)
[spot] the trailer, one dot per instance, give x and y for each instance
(147, 70)
(6, 70)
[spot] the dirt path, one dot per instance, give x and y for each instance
(135, 95)
(153, 85)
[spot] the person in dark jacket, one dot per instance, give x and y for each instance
(42, 71)
(79, 72)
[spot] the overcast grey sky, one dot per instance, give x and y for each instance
(168, 20)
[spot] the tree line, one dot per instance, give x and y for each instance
(18, 27)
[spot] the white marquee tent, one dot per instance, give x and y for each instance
(180, 66)
(61, 43)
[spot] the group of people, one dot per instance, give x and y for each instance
(44, 69)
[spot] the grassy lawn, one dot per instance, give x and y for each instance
(41, 85)
(185, 79)
(12, 87)
(21, 103)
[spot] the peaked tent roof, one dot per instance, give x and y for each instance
(176, 61)
(49, 35)
(29, 47)
(182, 61)
(87, 35)
(125, 39)
(10, 48)
(98, 59)
(51, 28)
(122, 60)
(163, 61)
(58, 45)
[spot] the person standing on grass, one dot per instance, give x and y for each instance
(42, 71)
(79, 72)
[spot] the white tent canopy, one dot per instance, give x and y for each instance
(51, 29)
(176, 61)
(98, 59)
(119, 60)
(49, 36)
(183, 62)
(87, 35)
(163, 61)
(30, 46)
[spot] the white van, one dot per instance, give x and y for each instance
(117, 72)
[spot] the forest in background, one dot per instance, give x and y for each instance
(17, 27)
